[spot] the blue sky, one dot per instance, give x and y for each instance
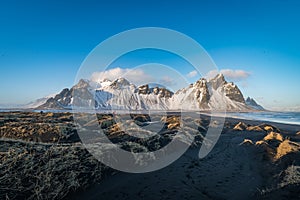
(43, 43)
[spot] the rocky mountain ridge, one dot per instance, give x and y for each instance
(216, 93)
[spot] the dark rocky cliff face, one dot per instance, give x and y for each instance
(233, 92)
(59, 101)
(162, 92)
(64, 98)
(202, 93)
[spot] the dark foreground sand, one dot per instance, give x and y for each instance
(233, 170)
(252, 160)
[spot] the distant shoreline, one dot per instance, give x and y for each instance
(264, 116)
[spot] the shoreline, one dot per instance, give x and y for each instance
(227, 114)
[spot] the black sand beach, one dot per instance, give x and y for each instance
(41, 157)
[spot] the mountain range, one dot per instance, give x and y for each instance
(216, 93)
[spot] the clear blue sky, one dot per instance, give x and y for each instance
(42, 43)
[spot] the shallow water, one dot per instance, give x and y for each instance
(281, 117)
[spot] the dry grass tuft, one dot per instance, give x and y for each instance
(273, 136)
(115, 129)
(255, 128)
(268, 128)
(241, 126)
(39, 171)
(172, 122)
(260, 142)
(247, 142)
(286, 147)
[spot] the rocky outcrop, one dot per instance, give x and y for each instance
(144, 89)
(162, 92)
(202, 93)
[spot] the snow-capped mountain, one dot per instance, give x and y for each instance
(30, 105)
(253, 104)
(204, 94)
(38, 102)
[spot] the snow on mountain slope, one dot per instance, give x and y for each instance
(38, 102)
(194, 97)
(120, 94)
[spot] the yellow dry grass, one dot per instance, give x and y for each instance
(247, 142)
(172, 121)
(254, 128)
(285, 148)
(241, 126)
(260, 142)
(268, 128)
(273, 136)
(174, 125)
(115, 128)
(43, 171)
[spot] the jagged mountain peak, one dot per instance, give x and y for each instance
(233, 92)
(161, 91)
(120, 82)
(216, 93)
(217, 81)
(249, 99)
(218, 77)
(253, 104)
(82, 83)
(202, 82)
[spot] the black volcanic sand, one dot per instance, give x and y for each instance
(41, 157)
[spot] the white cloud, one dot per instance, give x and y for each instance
(192, 74)
(136, 76)
(234, 75)
(167, 81)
